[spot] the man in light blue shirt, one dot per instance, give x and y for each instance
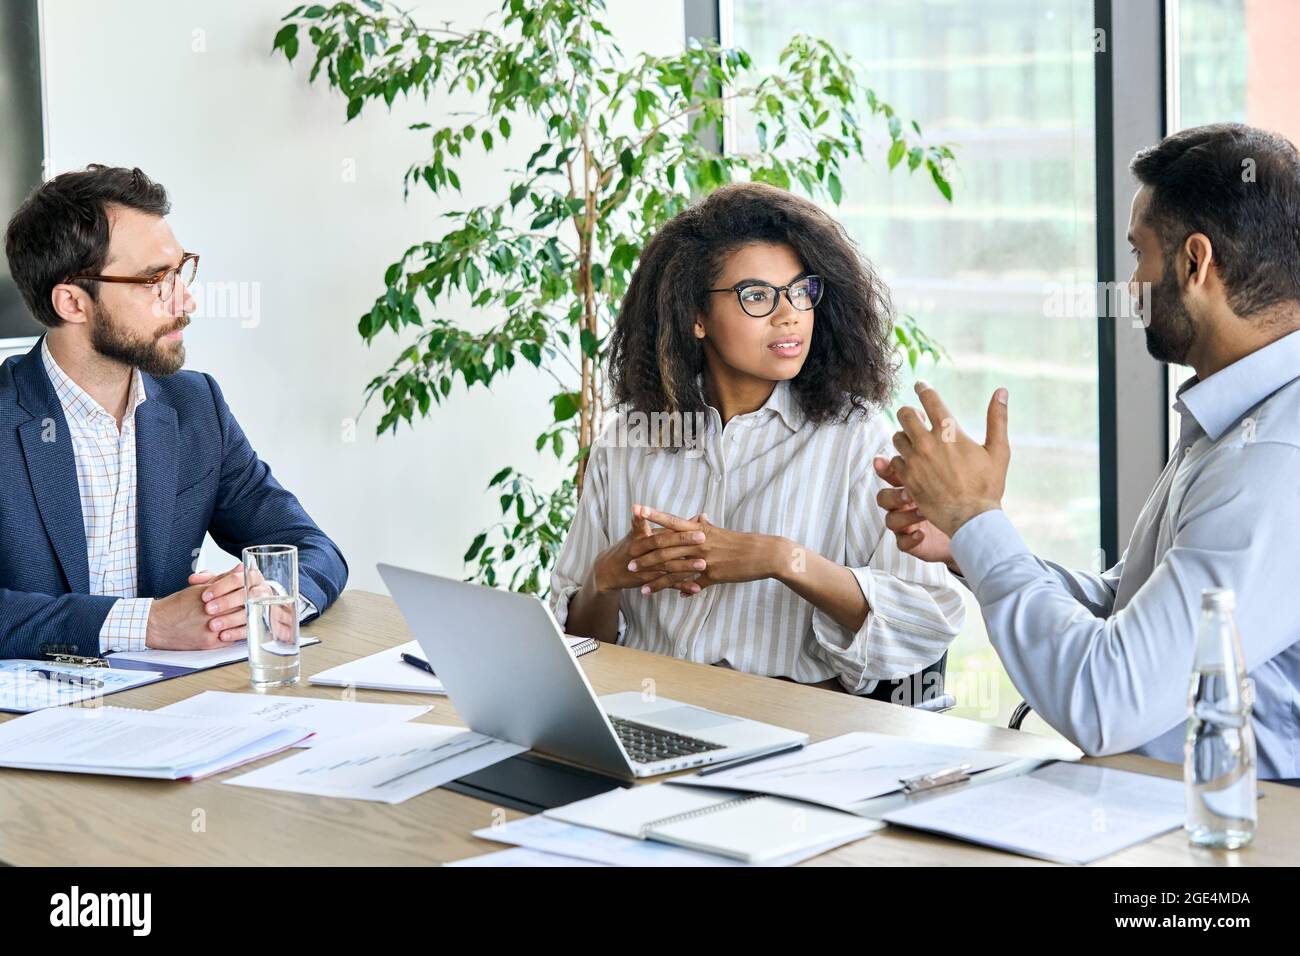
(1106, 658)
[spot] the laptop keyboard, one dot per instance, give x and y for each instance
(650, 744)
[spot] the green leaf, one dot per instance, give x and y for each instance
(566, 405)
(897, 152)
(944, 186)
(834, 188)
(476, 546)
(284, 35)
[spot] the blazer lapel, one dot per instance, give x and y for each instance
(47, 446)
(52, 469)
(156, 475)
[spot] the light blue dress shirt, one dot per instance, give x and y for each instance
(1106, 659)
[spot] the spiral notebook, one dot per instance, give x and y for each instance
(747, 827)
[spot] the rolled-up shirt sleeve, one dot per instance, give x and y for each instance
(915, 608)
(1113, 682)
(588, 536)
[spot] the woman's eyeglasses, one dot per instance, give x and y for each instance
(760, 299)
(164, 282)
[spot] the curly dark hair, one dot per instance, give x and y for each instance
(655, 360)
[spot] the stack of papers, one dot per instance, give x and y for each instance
(26, 685)
(751, 829)
(846, 770)
(327, 719)
(1064, 812)
(137, 743)
(556, 838)
(389, 764)
(544, 835)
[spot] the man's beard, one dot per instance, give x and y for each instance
(148, 355)
(1169, 330)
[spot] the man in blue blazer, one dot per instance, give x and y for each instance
(113, 462)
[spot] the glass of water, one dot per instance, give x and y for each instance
(271, 599)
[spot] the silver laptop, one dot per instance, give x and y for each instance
(505, 665)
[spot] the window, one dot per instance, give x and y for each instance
(1231, 61)
(992, 276)
(20, 161)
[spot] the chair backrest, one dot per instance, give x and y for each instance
(920, 690)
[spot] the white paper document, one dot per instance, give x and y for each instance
(34, 685)
(389, 764)
(522, 856)
(330, 719)
(751, 828)
(567, 839)
(383, 671)
(1064, 812)
(137, 743)
(387, 671)
(846, 770)
(198, 660)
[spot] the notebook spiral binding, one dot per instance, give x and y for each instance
(647, 828)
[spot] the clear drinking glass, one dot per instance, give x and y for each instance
(271, 599)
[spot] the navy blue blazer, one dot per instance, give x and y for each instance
(196, 473)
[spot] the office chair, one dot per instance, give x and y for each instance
(923, 690)
(1018, 715)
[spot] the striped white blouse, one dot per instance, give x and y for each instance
(768, 472)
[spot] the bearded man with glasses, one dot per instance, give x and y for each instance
(114, 462)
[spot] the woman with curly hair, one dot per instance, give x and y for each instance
(729, 511)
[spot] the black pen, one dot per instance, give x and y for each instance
(752, 758)
(418, 662)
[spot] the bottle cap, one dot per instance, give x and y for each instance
(1218, 599)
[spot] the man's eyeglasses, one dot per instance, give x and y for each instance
(760, 299)
(164, 282)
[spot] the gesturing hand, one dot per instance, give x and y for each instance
(949, 475)
(912, 530)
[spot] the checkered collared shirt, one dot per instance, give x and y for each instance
(106, 476)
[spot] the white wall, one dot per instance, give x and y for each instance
(254, 160)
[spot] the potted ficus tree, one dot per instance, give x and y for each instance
(629, 141)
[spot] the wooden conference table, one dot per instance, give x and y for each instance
(56, 819)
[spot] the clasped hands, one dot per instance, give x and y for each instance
(208, 613)
(663, 550)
